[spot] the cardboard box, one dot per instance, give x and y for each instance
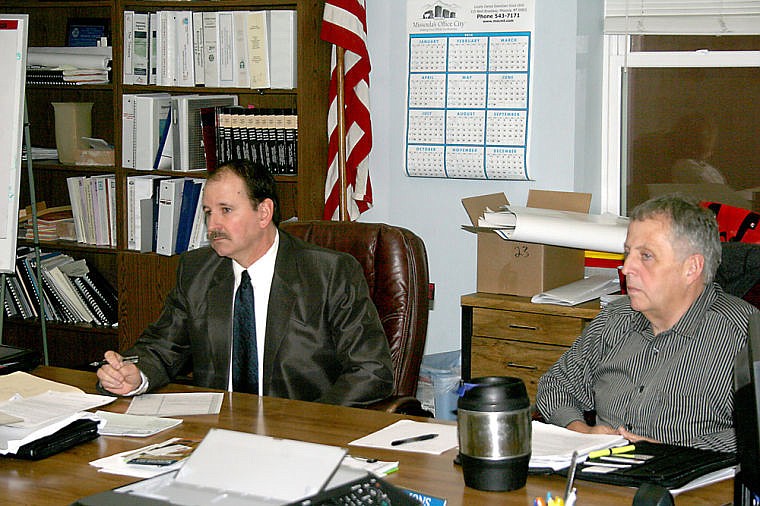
(523, 268)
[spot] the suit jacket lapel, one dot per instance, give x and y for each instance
(220, 287)
(282, 297)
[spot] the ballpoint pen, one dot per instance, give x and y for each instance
(414, 439)
(570, 476)
(131, 360)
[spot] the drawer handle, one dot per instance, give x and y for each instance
(522, 366)
(522, 327)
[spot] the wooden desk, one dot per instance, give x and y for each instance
(65, 477)
(506, 335)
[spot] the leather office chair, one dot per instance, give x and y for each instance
(394, 260)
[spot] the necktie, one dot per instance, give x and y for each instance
(245, 358)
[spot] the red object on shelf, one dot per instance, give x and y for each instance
(735, 224)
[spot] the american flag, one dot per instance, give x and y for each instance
(345, 25)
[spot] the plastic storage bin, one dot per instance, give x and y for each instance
(439, 378)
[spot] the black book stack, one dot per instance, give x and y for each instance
(73, 292)
(264, 136)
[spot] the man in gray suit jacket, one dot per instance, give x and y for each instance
(318, 332)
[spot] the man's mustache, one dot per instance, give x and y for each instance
(216, 235)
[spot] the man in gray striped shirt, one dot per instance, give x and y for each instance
(657, 365)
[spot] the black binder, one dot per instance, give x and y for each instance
(671, 466)
(77, 432)
(17, 359)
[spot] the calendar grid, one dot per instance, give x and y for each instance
(468, 93)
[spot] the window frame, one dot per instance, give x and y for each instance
(618, 58)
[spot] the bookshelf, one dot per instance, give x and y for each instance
(142, 280)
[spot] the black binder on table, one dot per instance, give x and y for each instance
(17, 359)
(77, 432)
(671, 466)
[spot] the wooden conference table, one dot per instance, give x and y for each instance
(65, 477)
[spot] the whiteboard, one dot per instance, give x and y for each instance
(13, 40)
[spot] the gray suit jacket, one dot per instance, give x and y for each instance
(324, 340)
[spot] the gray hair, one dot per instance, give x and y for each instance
(693, 228)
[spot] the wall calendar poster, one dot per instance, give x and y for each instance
(468, 88)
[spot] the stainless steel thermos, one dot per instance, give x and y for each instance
(494, 427)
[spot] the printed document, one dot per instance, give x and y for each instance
(553, 446)
(193, 403)
(118, 424)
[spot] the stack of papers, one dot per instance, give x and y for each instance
(118, 424)
(27, 419)
(553, 446)
(148, 461)
(579, 291)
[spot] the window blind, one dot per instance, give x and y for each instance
(682, 17)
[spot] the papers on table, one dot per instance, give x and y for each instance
(579, 291)
(50, 406)
(446, 438)
(44, 414)
(27, 385)
(553, 446)
(193, 403)
(118, 424)
(707, 479)
(231, 467)
(118, 463)
(32, 408)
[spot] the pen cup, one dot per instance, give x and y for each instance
(493, 425)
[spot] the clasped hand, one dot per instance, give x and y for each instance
(119, 377)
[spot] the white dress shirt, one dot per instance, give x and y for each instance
(261, 273)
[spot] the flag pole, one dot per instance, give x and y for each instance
(341, 100)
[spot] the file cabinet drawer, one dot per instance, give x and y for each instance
(522, 326)
(502, 357)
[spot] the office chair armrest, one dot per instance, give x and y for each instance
(402, 404)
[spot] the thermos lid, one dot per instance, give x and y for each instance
(493, 393)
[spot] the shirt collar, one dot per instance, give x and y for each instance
(688, 323)
(261, 269)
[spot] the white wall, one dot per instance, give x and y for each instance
(431, 207)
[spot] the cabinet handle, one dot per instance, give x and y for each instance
(522, 366)
(522, 327)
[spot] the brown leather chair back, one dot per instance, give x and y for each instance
(395, 265)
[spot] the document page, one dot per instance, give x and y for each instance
(411, 436)
(553, 446)
(41, 409)
(193, 403)
(118, 424)
(28, 385)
